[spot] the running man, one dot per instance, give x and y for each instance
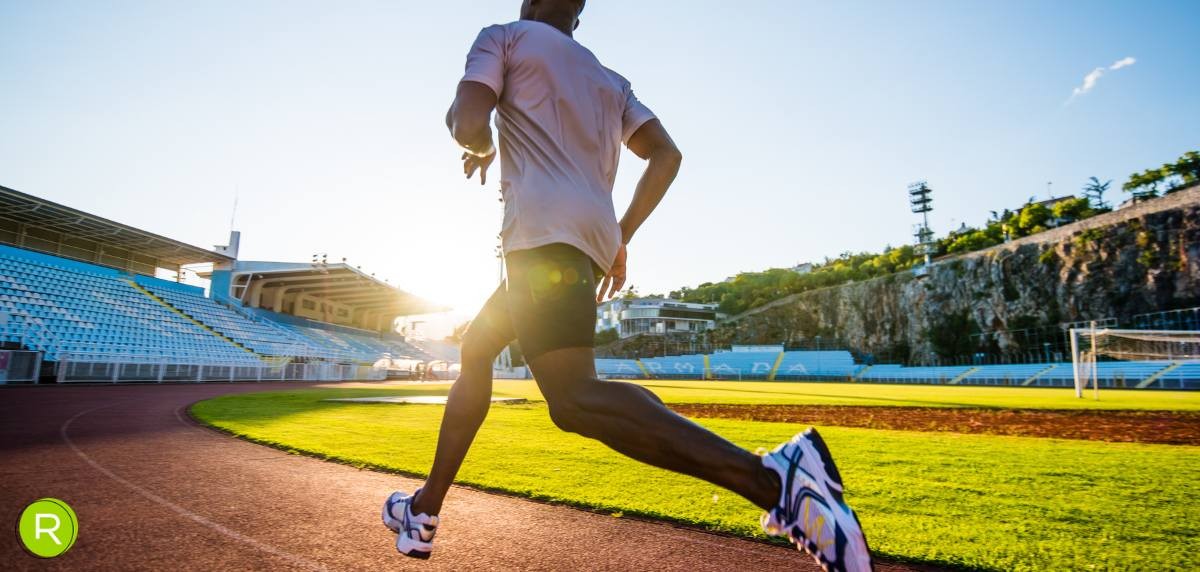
(562, 117)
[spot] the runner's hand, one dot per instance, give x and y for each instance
(473, 162)
(615, 279)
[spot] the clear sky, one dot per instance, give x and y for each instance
(801, 123)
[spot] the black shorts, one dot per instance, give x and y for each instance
(548, 301)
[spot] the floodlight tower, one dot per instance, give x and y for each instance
(922, 203)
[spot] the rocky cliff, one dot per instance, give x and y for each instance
(1009, 300)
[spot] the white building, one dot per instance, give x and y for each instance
(655, 316)
(803, 268)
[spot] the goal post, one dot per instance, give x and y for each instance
(1155, 350)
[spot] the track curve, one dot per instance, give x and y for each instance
(153, 490)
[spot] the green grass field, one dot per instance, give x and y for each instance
(976, 501)
(886, 394)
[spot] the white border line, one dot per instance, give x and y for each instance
(297, 561)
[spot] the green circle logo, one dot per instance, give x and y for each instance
(48, 528)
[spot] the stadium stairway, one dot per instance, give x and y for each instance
(192, 319)
(775, 367)
(1185, 376)
(258, 336)
(962, 376)
(1033, 378)
(346, 342)
(1158, 375)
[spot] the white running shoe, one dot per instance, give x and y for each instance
(811, 511)
(415, 533)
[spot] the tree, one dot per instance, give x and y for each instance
(1094, 192)
(1144, 185)
(1033, 219)
(1188, 168)
(971, 241)
(606, 336)
(1071, 210)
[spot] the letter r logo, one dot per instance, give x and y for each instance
(48, 528)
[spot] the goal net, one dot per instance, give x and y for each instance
(1134, 358)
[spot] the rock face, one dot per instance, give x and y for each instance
(1010, 301)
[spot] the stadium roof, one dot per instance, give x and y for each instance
(69, 223)
(339, 283)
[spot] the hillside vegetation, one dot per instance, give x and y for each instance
(753, 289)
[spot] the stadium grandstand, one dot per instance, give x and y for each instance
(839, 365)
(82, 300)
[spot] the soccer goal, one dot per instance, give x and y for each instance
(1143, 355)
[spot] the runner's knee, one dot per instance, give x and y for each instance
(566, 414)
(479, 348)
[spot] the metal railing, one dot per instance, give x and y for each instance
(30, 335)
(118, 368)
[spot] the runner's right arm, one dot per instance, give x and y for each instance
(470, 122)
(470, 117)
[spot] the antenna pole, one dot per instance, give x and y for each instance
(233, 216)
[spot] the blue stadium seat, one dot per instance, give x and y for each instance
(887, 373)
(65, 308)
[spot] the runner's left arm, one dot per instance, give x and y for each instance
(651, 142)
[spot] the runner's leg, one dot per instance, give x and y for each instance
(634, 422)
(469, 400)
(552, 306)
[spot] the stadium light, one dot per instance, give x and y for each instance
(921, 202)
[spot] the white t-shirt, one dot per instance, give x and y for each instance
(562, 118)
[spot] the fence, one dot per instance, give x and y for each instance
(1185, 319)
(100, 368)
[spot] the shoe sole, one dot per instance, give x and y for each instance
(415, 554)
(410, 552)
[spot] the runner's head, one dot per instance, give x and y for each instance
(562, 14)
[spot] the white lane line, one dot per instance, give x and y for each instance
(192, 426)
(297, 561)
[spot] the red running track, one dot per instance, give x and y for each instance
(155, 491)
